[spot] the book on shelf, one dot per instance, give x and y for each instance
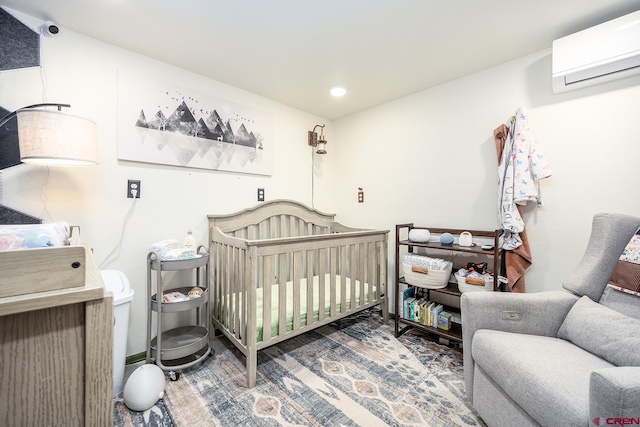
(444, 321)
(436, 312)
(406, 294)
(423, 311)
(429, 314)
(416, 310)
(456, 318)
(408, 303)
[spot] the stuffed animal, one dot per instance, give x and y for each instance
(195, 292)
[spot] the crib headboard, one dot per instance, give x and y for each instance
(275, 219)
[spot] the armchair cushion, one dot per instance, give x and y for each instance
(614, 392)
(547, 377)
(603, 332)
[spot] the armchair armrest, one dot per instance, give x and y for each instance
(615, 393)
(539, 313)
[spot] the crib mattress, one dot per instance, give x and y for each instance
(303, 302)
(326, 305)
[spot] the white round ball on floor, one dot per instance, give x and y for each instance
(144, 387)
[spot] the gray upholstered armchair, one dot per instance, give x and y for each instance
(558, 358)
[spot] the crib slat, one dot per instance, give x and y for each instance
(215, 280)
(241, 280)
(221, 281)
(263, 232)
(267, 280)
(322, 270)
(302, 227)
(344, 260)
(292, 226)
(362, 270)
(333, 261)
(283, 225)
(232, 298)
(237, 289)
(232, 307)
(282, 294)
(354, 273)
(225, 289)
(374, 285)
(250, 312)
(225, 281)
(233, 294)
(297, 278)
(273, 229)
(311, 261)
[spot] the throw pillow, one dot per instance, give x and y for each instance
(603, 332)
(626, 274)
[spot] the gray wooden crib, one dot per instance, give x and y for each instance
(281, 269)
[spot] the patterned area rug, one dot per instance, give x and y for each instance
(352, 372)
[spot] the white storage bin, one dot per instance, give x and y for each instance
(463, 286)
(116, 282)
(436, 277)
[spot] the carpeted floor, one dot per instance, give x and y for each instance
(353, 372)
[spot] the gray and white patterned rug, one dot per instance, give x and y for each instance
(353, 372)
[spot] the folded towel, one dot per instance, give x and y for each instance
(426, 262)
(162, 247)
(177, 253)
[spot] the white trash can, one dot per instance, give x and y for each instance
(116, 282)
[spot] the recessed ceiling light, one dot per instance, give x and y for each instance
(338, 90)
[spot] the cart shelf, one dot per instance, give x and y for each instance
(183, 346)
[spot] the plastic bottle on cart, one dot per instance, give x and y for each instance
(190, 243)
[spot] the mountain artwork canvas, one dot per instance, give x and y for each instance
(166, 124)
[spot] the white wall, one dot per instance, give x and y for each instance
(430, 159)
(83, 72)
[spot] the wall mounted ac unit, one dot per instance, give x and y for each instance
(608, 51)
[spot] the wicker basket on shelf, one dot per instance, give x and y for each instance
(468, 284)
(426, 272)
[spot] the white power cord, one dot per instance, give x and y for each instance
(116, 250)
(43, 196)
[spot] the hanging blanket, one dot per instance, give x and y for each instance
(521, 166)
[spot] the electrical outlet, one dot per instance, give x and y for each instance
(133, 189)
(360, 195)
(261, 194)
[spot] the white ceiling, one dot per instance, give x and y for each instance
(291, 51)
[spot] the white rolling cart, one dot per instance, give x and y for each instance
(184, 346)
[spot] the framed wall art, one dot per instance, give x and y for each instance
(166, 124)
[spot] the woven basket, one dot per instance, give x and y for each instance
(463, 286)
(433, 279)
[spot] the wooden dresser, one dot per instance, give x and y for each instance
(56, 355)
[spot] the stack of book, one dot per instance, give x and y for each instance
(424, 311)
